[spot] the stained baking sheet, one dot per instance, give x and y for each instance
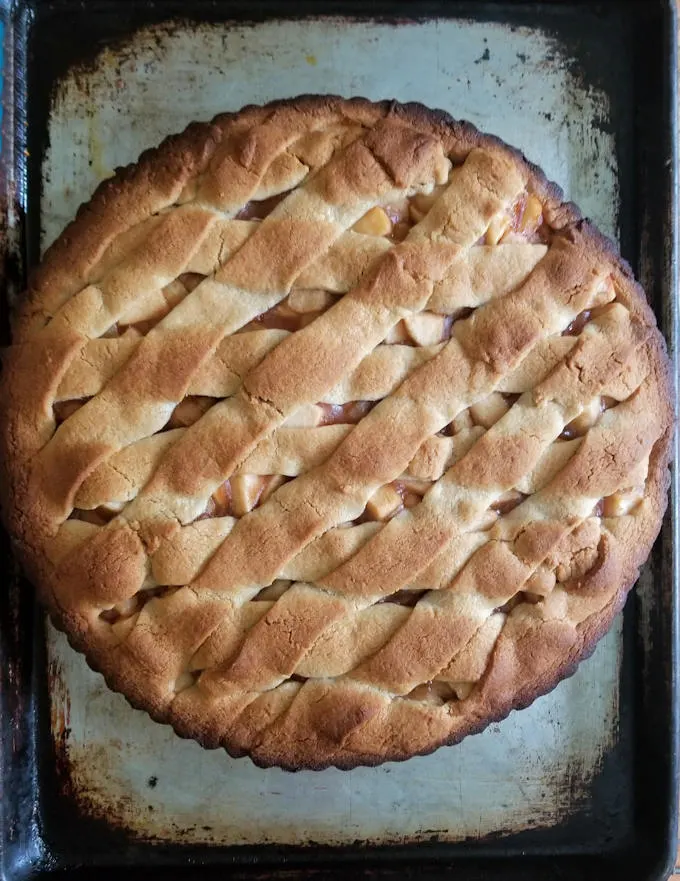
(535, 767)
(565, 765)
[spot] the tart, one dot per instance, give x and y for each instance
(331, 433)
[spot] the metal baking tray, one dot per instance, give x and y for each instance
(580, 785)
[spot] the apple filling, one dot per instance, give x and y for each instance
(389, 500)
(620, 503)
(129, 607)
(588, 417)
(523, 222)
(439, 693)
(241, 493)
(404, 597)
(258, 209)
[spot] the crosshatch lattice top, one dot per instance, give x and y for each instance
(331, 433)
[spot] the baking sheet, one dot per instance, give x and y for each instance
(537, 767)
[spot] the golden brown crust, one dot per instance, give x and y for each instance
(345, 475)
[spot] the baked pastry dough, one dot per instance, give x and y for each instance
(330, 433)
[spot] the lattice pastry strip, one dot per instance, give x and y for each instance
(353, 435)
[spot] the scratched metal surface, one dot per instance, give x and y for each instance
(534, 768)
